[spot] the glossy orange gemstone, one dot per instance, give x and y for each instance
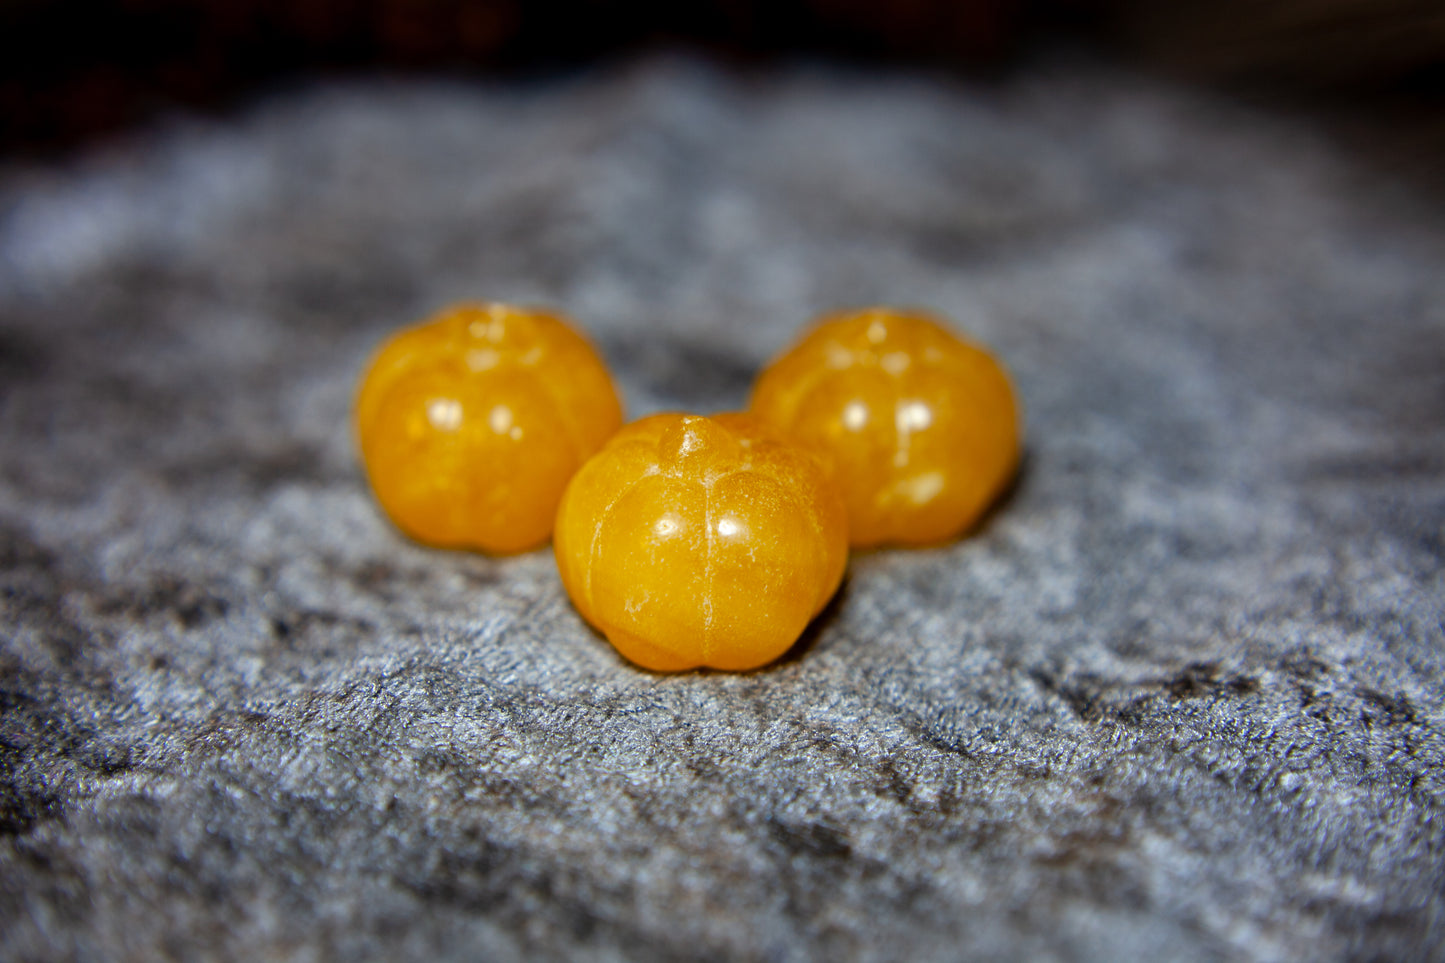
(692, 541)
(922, 427)
(471, 424)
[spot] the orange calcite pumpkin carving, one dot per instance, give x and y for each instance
(692, 541)
(921, 427)
(472, 423)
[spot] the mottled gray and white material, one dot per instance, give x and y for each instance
(1180, 698)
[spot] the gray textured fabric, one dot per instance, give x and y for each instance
(1181, 697)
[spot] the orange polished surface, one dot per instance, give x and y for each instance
(692, 541)
(471, 424)
(922, 427)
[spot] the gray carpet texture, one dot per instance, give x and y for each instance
(1179, 698)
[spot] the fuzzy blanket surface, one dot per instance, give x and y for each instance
(1180, 697)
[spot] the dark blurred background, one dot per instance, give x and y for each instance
(74, 69)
